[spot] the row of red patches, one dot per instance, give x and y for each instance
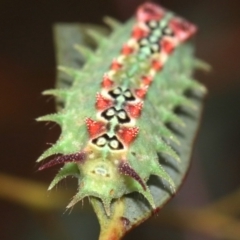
(146, 12)
(126, 134)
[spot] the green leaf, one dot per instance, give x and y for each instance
(173, 142)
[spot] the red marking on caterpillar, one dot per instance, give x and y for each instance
(138, 33)
(182, 29)
(157, 65)
(102, 103)
(107, 82)
(146, 80)
(141, 92)
(149, 11)
(167, 46)
(134, 109)
(128, 135)
(116, 65)
(126, 50)
(94, 127)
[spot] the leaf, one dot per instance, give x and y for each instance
(132, 209)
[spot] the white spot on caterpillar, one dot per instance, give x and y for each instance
(153, 24)
(132, 42)
(116, 161)
(153, 39)
(111, 73)
(121, 58)
(117, 91)
(152, 72)
(114, 144)
(110, 112)
(157, 32)
(144, 41)
(101, 141)
(168, 31)
(101, 171)
(155, 47)
(122, 115)
(127, 94)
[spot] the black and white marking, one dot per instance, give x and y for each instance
(112, 142)
(119, 92)
(112, 112)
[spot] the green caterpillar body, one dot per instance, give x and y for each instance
(116, 113)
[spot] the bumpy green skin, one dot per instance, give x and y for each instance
(99, 177)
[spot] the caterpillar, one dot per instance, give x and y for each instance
(114, 122)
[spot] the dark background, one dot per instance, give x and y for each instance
(27, 67)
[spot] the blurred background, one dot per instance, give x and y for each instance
(27, 67)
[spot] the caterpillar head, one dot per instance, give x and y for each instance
(149, 11)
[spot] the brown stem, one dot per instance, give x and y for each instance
(113, 228)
